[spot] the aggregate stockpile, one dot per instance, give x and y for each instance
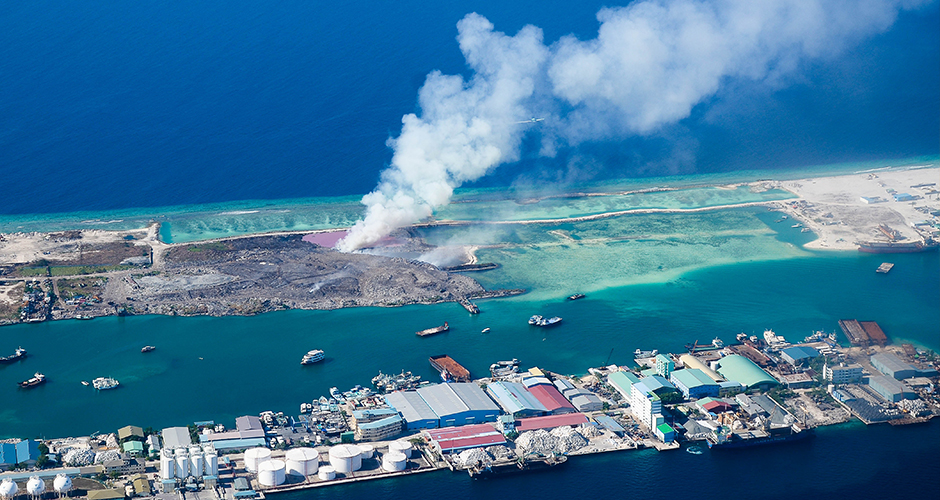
(561, 440)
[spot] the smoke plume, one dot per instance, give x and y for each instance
(650, 64)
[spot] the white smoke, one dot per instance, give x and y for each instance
(650, 64)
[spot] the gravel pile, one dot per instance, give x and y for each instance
(538, 442)
(79, 458)
(473, 456)
(105, 456)
(588, 431)
(499, 452)
(568, 440)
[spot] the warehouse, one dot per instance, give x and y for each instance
(690, 361)
(890, 389)
(550, 422)
(176, 437)
(515, 399)
(693, 383)
(738, 368)
(459, 403)
(553, 401)
(892, 366)
(452, 440)
(799, 355)
(622, 382)
(413, 410)
(584, 400)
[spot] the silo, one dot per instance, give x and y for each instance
(212, 464)
(8, 489)
(394, 461)
(254, 457)
(366, 450)
(400, 446)
(62, 484)
(271, 472)
(167, 465)
(345, 458)
(196, 466)
(35, 486)
(302, 461)
(326, 473)
(182, 465)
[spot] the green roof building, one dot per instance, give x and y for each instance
(741, 369)
(622, 382)
(133, 447)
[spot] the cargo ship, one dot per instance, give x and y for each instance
(756, 438)
(450, 370)
(515, 466)
(894, 247)
(432, 331)
(16, 356)
(37, 379)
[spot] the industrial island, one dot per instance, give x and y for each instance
(751, 392)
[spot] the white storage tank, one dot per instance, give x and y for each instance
(326, 473)
(62, 484)
(8, 489)
(302, 461)
(366, 450)
(345, 458)
(167, 465)
(254, 457)
(212, 464)
(35, 486)
(403, 447)
(196, 466)
(182, 465)
(394, 461)
(271, 472)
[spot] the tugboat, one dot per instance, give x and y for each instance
(16, 356)
(312, 357)
(147, 348)
(105, 383)
(37, 379)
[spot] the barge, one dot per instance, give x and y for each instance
(515, 466)
(450, 370)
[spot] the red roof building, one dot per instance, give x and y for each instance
(550, 422)
(551, 399)
(455, 439)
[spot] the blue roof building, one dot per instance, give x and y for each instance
(7, 455)
(27, 451)
(459, 403)
(413, 409)
(516, 400)
(694, 384)
(799, 354)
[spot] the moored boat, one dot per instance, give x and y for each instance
(312, 357)
(432, 331)
(481, 470)
(19, 354)
(898, 247)
(105, 383)
(37, 379)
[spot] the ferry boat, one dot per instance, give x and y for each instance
(312, 357)
(432, 331)
(105, 383)
(37, 379)
(147, 348)
(538, 320)
(16, 356)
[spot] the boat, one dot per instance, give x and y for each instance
(19, 354)
(85, 383)
(576, 296)
(105, 383)
(37, 379)
(718, 343)
(450, 370)
(486, 330)
(84, 316)
(312, 357)
(694, 347)
(541, 321)
(737, 440)
(695, 450)
(481, 470)
(504, 368)
(805, 230)
(641, 354)
(896, 247)
(797, 225)
(884, 268)
(147, 348)
(432, 331)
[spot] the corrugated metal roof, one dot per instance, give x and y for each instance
(737, 367)
(549, 396)
(799, 352)
(692, 377)
(442, 400)
(474, 397)
(609, 423)
(175, 437)
(515, 398)
(238, 444)
(531, 381)
(378, 424)
(891, 362)
(411, 405)
(563, 385)
(446, 433)
(471, 442)
(248, 423)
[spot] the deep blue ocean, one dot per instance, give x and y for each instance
(117, 105)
